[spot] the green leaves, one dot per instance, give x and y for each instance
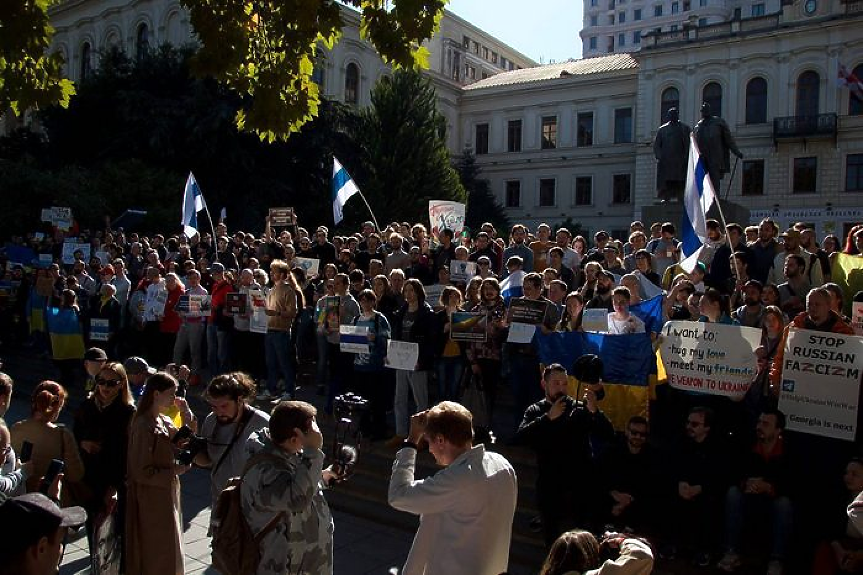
(30, 77)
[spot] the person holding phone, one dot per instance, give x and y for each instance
(50, 441)
(154, 522)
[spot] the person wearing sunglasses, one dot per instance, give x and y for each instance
(101, 431)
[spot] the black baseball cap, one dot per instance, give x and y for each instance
(95, 354)
(31, 517)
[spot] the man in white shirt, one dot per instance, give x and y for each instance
(466, 508)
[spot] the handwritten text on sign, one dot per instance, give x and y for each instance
(821, 383)
(710, 357)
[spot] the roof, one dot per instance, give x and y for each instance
(583, 67)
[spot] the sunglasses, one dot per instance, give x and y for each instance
(108, 382)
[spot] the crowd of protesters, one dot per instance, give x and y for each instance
(710, 469)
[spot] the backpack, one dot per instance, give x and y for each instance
(235, 548)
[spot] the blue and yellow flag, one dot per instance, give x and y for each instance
(650, 312)
(67, 340)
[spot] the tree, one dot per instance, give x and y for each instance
(482, 206)
(404, 161)
(262, 50)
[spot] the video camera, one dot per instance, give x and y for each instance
(349, 409)
(190, 445)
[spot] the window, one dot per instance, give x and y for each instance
(318, 73)
(583, 191)
(686, 5)
(670, 99)
(611, 4)
(758, 10)
(702, 22)
(513, 194)
(485, 53)
(623, 126)
(737, 13)
(549, 132)
(481, 141)
(610, 44)
(546, 192)
(503, 62)
(756, 101)
(142, 42)
(636, 15)
(474, 47)
(855, 103)
(485, 75)
(621, 188)
(657, 10)
(466, 42)
(807, 93)
(702, 3)
(636, 37)
(594, 20)
(673, 28)
(621, 40)
(805, 175)
(753, 178)
(513, 136)
(469, 72)
(621, 17)
(611, 20)
(592, 43)
(585, 129)
(86, 60)
(594, 3)
(712, 95)
(456, 66)
(854, 173)
(675, 7)
(494, 57)
(352, 84)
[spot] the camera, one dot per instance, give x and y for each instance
(349, 410)
(194, 444)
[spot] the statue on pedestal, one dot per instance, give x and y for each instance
(714, 141)
(671, 148)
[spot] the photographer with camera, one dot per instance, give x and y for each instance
(579, 553)
(227, 428)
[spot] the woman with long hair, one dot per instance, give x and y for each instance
(854, 241)
(154, 522)
(102, 432)
(573, 306)
(169, 324)
(449, 357)
(579, 553)
(485, 356)
(50, 441)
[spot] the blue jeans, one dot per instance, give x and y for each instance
(738, 504)
(218, 354)
(449, 371)
(277, 345)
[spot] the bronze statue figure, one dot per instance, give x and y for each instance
(671, 148)
(714, 141)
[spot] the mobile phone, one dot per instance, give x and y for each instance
(55, 468)
(26, 452)
(182, 386)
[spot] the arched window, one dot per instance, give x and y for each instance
(808, 84)
(712, 94)
(86, 60)
(670, 99)
(142, 42)
(756, 101)
(352, 84)
(318, 73)
(855, 103)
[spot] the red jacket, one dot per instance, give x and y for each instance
(171, 321)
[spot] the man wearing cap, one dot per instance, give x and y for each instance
(94, 359)
(138, 370)
(220, 324)
(792, 245)
(602, 295)
(35, 545)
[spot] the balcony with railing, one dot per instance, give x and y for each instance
(805, 127)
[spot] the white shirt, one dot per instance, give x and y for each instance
(465, 510)
(632, 324)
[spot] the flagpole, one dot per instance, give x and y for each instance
(725, 225)
(374, 219)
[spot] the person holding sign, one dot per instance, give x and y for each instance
(620, 321)
(369, 367)
(105, 319)
(190, 336)
(282, 303)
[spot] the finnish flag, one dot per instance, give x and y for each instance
(343, 188)
(193, 202)
(698, 197)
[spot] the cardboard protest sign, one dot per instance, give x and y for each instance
(329, 313)
(857, 317)
(236, 303)
(283, 217)
(711, 358)
(444, 214)
(99, 329)
(309, 265)
(820, 385)
(460, 271)
(529, 311)
(402, 355)
(468, 326)
(354, 339)
(69, 249)
(433, 294)
(258, 320)
(193, 305)
(521, 332)
(595, 319)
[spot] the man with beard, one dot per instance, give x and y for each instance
(563, 431)
(227, 428)
(518, 235)
(751, 313)
(602, 297)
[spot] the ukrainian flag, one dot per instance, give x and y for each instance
(64, 327)
(36, 305)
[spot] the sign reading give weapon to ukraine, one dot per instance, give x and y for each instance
(820, 384)
(710, 357)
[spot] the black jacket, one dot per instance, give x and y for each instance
(421, 332)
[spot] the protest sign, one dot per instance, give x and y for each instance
(443, 214)
(460, 271)
(353, 339)
(193, 305)
(595, 319)
(521, 332)
(857, 317)
(309, 265)
(258, 320)
(59, 213)
(99, 329)
(820, 385)
(46, 215)
(711, 358)
(529, 311)
(468, 326)
(69, 249)
(105, 554)
(157, 303)
(283, 217)
(402, 355)
(328, 315)
(45, 260)
(236, 303)
(433, 294)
